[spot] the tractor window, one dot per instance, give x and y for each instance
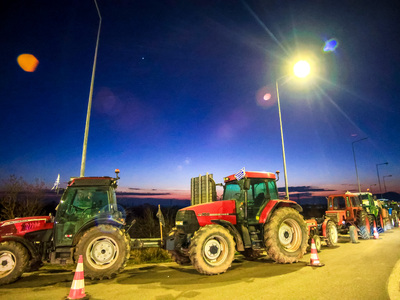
(273, 193)
(232, 191)
(339, 203)
(348, 202)
(355, 201)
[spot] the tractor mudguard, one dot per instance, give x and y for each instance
(324, 226)
(235, 233)
(26, 243)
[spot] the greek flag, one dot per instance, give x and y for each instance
(241, 174)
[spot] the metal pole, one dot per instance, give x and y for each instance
(384, 185)
(355, 163)
(283, 144)
(379, 180)
(89, 108)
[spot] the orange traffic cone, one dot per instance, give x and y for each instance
(78, 284)
(314, 260)
(376, 234)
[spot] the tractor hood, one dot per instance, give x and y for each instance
(219, 210)
(21, 226)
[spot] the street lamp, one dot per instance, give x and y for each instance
(89, 108)
(379, 180)
(301, 69)
(355, 163)
(384, 181)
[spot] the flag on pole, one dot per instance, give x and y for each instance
(241, 174)
(56, 183)
(160, 216)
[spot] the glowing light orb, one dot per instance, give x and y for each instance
(301, 69)
(27, 62)
(267, 96)
(331, 45)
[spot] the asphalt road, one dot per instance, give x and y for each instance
(367, 270)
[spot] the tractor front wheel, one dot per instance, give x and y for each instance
(14, 259)
(331, 234)
(212, 250)
(285, 235)
(105, 250)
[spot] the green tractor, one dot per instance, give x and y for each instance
(393, 210)
(377, 214)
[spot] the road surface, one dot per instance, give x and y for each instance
(367, 270)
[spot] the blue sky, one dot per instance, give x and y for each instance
(175, 92)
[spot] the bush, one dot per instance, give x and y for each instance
(149, 255)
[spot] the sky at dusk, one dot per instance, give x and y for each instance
(180, 85)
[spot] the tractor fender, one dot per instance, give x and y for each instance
(272, 205)
(235, 233)
(26, 243)
(94, 223)
(323, 227)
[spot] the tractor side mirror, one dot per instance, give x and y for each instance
(246, 184)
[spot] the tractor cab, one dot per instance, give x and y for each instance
(252, 194)
(86, 202)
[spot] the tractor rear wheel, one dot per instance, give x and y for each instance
(363, 225)
(285, 235)
(212, 250)
(372, 223)
(14, 259)
(395, 219)
(353, 234)
(105, 250)
(331, 234)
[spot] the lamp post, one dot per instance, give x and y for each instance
(89, 108)
(379, 180)
(355, 163)
(301, 69)
(384, 185)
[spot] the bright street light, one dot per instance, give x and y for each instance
(301, 69)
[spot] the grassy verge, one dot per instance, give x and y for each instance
(148, 255)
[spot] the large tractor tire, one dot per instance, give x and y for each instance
(381, 223)
(212, 250)
(331, 234)
(14, 259)
(251, 254)
(372, 224)
(285, 235)
(395, 219)
(105, 250)
(176, 255)
(363, 225)
(353, 234)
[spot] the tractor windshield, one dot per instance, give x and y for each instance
(260, 189)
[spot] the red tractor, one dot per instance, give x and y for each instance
(250, 218)
(88, 223)
(346, 210)
(321, 230)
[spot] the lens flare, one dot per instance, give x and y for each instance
(27, 62)
(331, 45)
